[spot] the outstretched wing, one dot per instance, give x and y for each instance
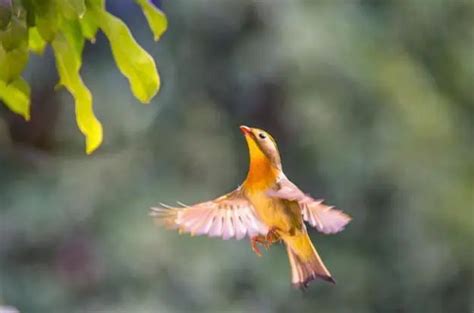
(229, 216)
(325, 218)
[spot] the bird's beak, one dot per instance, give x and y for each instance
(245, 130)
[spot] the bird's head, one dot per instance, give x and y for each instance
(262, 146)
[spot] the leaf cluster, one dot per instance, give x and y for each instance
(30, 25)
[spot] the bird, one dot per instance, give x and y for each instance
(267, 208)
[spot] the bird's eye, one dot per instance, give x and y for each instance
(262, 136)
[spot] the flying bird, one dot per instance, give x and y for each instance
(267, 207)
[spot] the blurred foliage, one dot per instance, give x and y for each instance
(371, 103)
(28, 25)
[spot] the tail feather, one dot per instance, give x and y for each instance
(305, 263)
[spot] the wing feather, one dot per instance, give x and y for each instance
(229, 216)
(240, 229)
(324, 218)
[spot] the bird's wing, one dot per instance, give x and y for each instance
(325, 218)
(229, 216)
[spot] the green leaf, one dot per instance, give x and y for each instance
(30, 12)
(95, 4)
(68, 68)
(73, 9)
(156, 19)
(15, 34)
(89, 26)
(35, 42)
(16, 96)
(72, 31)
(12, 62)
(131, 59)
(47, 18)
(5, 13)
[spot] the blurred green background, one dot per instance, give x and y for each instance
(371, 102)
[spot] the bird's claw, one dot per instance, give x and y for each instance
(271, 236)
(254, 242)
(266, 241)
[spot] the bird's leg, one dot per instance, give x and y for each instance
(254, 241)
(271, 237)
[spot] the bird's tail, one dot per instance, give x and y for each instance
(305, 262)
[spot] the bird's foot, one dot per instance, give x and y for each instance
(258, 240)
(271, 237)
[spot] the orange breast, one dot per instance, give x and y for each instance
(262, 174)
